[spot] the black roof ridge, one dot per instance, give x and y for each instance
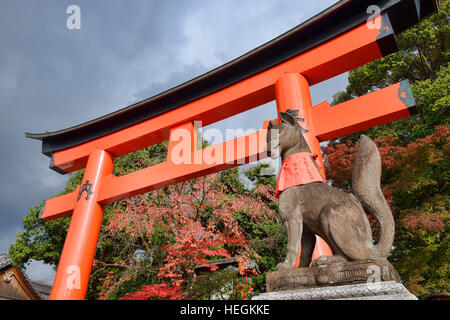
(331, 22)
(184, 84)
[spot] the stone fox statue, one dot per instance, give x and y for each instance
(317, 208)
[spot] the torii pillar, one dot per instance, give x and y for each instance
(72, 277)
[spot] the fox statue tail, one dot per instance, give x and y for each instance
(366, 187)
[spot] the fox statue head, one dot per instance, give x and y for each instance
(285, 138)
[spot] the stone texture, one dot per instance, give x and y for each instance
(335, 274)
(316, 208)
(385, 290)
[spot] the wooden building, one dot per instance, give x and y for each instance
(15, 285)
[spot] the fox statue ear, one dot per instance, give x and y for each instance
(288, 119)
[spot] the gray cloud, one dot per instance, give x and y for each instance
(52, 78)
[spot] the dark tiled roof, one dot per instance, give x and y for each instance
(229, 261)
(4, 261)
(41, 289)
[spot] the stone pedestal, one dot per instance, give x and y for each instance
(354, 280)
(385, 290)
(335, 274)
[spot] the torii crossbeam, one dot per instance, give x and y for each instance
(335, 41)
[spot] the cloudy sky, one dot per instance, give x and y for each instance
(126, 51)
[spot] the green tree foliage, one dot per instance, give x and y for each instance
(423, 59)
(415, 182)
(262, 174)
(42, 240)
(217, 285)
(414, 151)
(267, 239)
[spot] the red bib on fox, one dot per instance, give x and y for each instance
(297, 169)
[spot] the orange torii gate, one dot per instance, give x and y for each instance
(337, 40)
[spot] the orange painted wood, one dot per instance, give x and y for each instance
(359, 114)
(182, 138)
(372, 109)
(61, 206)
(168, 173)
(293, 93)
(346, 52)
(234, 153)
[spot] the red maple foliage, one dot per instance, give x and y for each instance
(413, 176)
(199, 224)
(162, 291)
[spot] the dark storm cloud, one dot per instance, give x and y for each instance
(126, 51)
(52, 78)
